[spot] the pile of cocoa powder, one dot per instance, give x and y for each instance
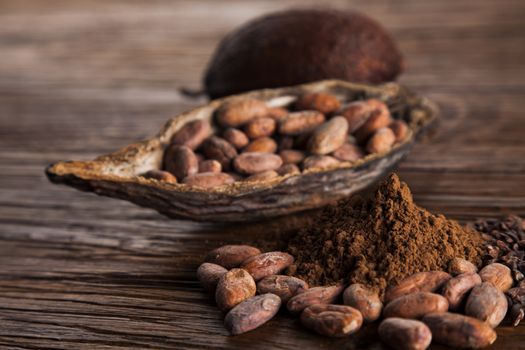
(379, 241)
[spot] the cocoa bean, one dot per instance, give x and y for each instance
(329, 136)
(458, 266)
(238, 112)
(429, 281)
(263, 176)
(252, 313)
(487, 303)
(192, 134)
(457, 288)
(210, 166)
(209, 275)
(497, 274)
(400, 129)
(286, 142)
(208, 180)
(180, 161)
(297, 123)
(288, 169)
(234, 287)
(415, 305)
(318, 101)
(348, 153)
(292, 156)
(236, 137)
(365, 300)
(460, 331)
(266, 264)
(232, 255)
(319, 162)
(332, 320)
(255, 162)
(381, 141)
(219, 149)
(402, 334)
(160, 175)
(283, 286)
(262, 145)
(312, 296)
(260, 127)
(378, 118)
(277, 113)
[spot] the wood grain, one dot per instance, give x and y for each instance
(82, 78)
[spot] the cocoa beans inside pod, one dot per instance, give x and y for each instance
(403, 334)
(318, 101)
(487, 303)
(160, 175)
(319, 162)
(238, 112)
(192, 134)
(415, 305)
(428, 281)
(261, 145)
(365, 300)
(230, 256)
(180, 161)
(332, 320)
(298, 123)
(348, 153)
(266, 264)
(256, 162)
(312, 296)
(329, 136)
(219, 149)
(260, 127)
(252, 313)
(234, 287)
(236, 137)
(208, 180)
(262, 176)
(283, 286)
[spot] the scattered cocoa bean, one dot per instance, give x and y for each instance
(297, 123)
(288, 169)
(457, 288)
(459, 331)
(192, 134)
(429, 281)
(262, 176)
(160, 175)
(381, 141)
(209, 275)
(292, 156)
(332, 320)
(348, 153)
(252, 313)
(236, 113)
(277, 113)
(236, 137)
(180, 161)
(260, 127)
(497, 274)
(312, 296)
(319, 162)
(415, 305)
(363, 299)
(266, 264)
(232, 255)
(256, 162)
(400, 129)
(262, 145)
(402, 334)
(208, 180)
(487, 303)
(458, 266)
(329, 136)
(234, 287)
(281, 285)
(318, 101)
(210, 166)
(219, 149)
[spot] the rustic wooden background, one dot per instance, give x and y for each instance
(82, 78)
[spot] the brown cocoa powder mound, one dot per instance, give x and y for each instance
(379, 241)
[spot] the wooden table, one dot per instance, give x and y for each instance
(83, 78)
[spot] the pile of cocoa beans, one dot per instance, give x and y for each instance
(458, 309)
(255, 142)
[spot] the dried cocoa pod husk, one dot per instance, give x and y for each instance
(318, 101)
(415, 305)
(208, 180)
(497, 274)
(329, 136)
(332, 320)
(403, 334)
(180, 161)
(297, 123)
(209, 275)
(240, 111)
(192, 134)
(365, 300)
(487, 303)
(457, 288)
(458, 266)
(234, 287)
(232, 255)
(281, 285)
(312, 296)
(267, 264)
(252, 313)
(256, 162)
(261, 145)
(428, 281)
(160, 175)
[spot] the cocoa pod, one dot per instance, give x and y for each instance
(297, 123)
(332, 320)
(238, 112)
(329, 136)
(348, 153)
(402, 334)
(288, 169)
(415, 305)
(460, 331)
(318, 101)
(497, 274)
(429, 281)
(381, 141)
(160, 175)
(458, 266)
(277, 113)
(252, 313)
(263, 176)
(234, 287)
(457, 288)
(209, 275)
(312, 296)
(261, 145)
(266, 264)
(283, 286)
(487, 303)
(236, 137)
(210, 166)
(363, 299)
(260, 127)
(292, 156)
(180, 161)
(400, 129)
(192, 134)
(219, 149)
(255, 162)
(208, 180)
(319, 162)
(232, 255)
(378, 118)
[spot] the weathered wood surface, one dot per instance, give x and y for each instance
(82, 78)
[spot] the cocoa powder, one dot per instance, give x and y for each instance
(379, 241)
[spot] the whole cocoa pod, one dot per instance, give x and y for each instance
(234, 287)
(232, 255)
(252, 313)
(415, 305)
(457, 288)
(332, 320)
(365, 300)
(238, 112)
(312, 296)
(428, 281)
(329, 136)
(402, 334)
(283, 286)
(255, 162)
(487, 303)
(266, 264)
